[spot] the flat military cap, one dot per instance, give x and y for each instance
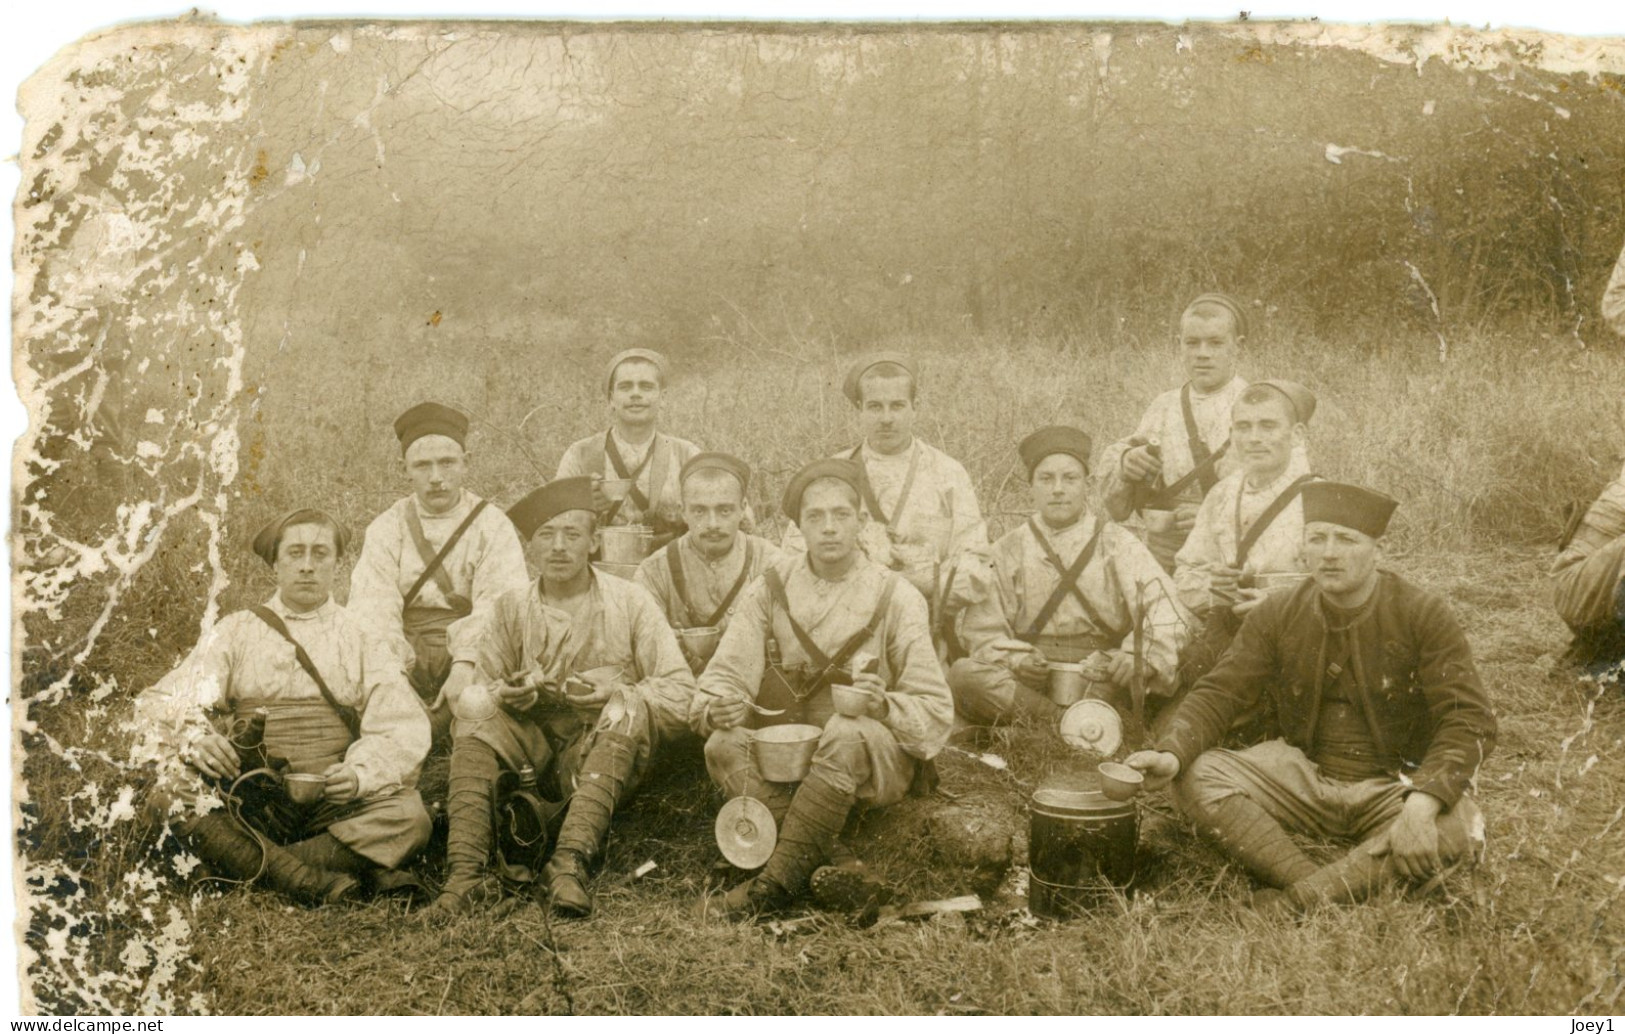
(835, 467)
(647, 355)
(547, 502)
(1223, 301)
(717, 461)
(428, 418)
(1348, 506)
(1302, 399)
(269, 537)
(863, 364)
(1047, 441)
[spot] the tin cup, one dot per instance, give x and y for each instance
(1067, 683)
(1159, 522)
(304, 788)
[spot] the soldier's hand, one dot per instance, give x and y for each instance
(580, 692)
(1222, 584)
(518, 698)
(600, 501)
(1413, 839)
(342, 784)
(214, 756)
(1122, 667)
(1250, 598)
(875, 686)
(1158, 766)
(726, 712)
(1185, 517)
(1139, 464)
(1033, 670)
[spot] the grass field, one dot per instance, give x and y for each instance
(1481, 450)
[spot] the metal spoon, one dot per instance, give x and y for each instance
(765, 712)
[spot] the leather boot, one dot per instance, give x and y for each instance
(1032, 706)
(1248, 834)
(816, 816)
(566, 877)
(324, 851)
(1349, 880)
(469, 791)
(600, 785)
(602, 780)
(231, 847)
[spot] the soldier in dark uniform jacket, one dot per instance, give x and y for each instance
(1384, 722)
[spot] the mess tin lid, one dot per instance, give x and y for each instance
(746, 833)
(1074, 797)
(1093, 726)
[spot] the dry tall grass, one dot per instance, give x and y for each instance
(1481, 448)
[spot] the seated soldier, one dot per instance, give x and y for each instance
(588, 682)
(1589, 580)
(435, 556)
(1384, 722)
(697, 579)
(1248, 536)
(634, 449)
(1066, 585)
(1181, 448)
(809, 620)
(336, 705)
(921, 508)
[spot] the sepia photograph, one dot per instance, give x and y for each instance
(889, 517)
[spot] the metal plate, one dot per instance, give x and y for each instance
(1093, 726)
(746, 833)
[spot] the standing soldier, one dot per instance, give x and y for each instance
(634, 449)
(333, 704)
(698, 579)
(1065, 585)
(434, 557)
(829, 615)
(921, 513)
(1181, 448)
(576, 676)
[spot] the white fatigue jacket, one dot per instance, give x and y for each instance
(659, 480)
(921, 708)
(620, 627)
(1164, 420)
(243, 658)
(1603, 523)
(1227, 515)
(1122, 576)
(940, 519)
(486, 562)
(707, 584)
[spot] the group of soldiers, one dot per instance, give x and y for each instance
(1251, 586)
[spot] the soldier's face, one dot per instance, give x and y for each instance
(713, 506)
(1209, 347)
(830, 520)
(1342, 561)
(634, 393)
(1263, 434)
(1060, 489)
(886, 413)
(306, 559)
(562, 545)
(437, 467)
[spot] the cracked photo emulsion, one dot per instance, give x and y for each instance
(539, 517)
